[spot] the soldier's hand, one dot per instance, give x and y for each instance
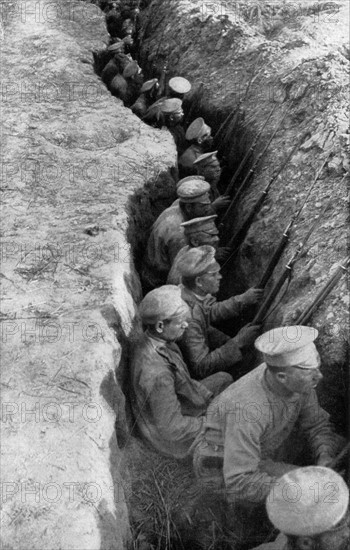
(252, 296)
(247, 336)
(223, 201)
(223, 253)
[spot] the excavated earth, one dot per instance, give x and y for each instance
(72, 155)
(80, 190)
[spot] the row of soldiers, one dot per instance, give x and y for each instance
(242, 433)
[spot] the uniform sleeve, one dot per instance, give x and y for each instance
(166, 412)
(226, 309)
(200, 360)
(314, 421)
(242, 454)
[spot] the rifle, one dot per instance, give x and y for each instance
(286, 274)
(339, 456)
(239, 236)
(327, 289)
(161, 89)
(286, 234)
(248, 153)
(251, 171)
(234, 111)
(195, 98)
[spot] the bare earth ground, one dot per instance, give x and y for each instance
(72, 155)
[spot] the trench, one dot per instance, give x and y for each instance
(157, 521)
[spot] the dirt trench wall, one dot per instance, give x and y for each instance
(301, 53)
(72, 157)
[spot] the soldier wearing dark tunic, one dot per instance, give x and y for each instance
(199, 135)
(168, 404)
(197, 232)
(167, 235)
(205, 348)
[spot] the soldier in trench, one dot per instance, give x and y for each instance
(309, 506)
(147, 96)
(167, 403)
(198, 232)
(167, 234)
(264, 425)
(199, 135)
(207, 349)
(127, 86)
(208, 166)
(168, 112)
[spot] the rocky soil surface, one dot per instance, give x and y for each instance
(72, 155)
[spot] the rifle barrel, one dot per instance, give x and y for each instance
(286, 234)
(248, 153)
(251, 171)
(324, 292)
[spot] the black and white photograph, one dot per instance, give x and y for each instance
(174, 275)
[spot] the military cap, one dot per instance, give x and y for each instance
(171, 105)
(301, 502)
(189, 178)
(116, 47)
(193, 190)
(131, 69)
(206, 159)
(197, 261)
(205, 224)
(288, 346)
(148, 85)
(196, 129)
(179, 85)
(162, 303)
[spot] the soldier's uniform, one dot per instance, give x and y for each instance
(208, 166)
(248, 426)
(168, 404)
(205, 348)
(167, 234)
(199, 133)
(146, 97)
(116, 65)
(127, 85)
(206, 232)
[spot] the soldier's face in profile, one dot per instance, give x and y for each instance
(302, 380)
(209, 283)
(174, 328)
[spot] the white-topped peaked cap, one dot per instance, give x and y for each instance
(189, 178)
(205, 224)
(197, 261)
(308, 501)
(289, 346)
(194, 190)
(197, 129)
(162, 303)
(207, 158)
(179, 85)
(171, 105)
